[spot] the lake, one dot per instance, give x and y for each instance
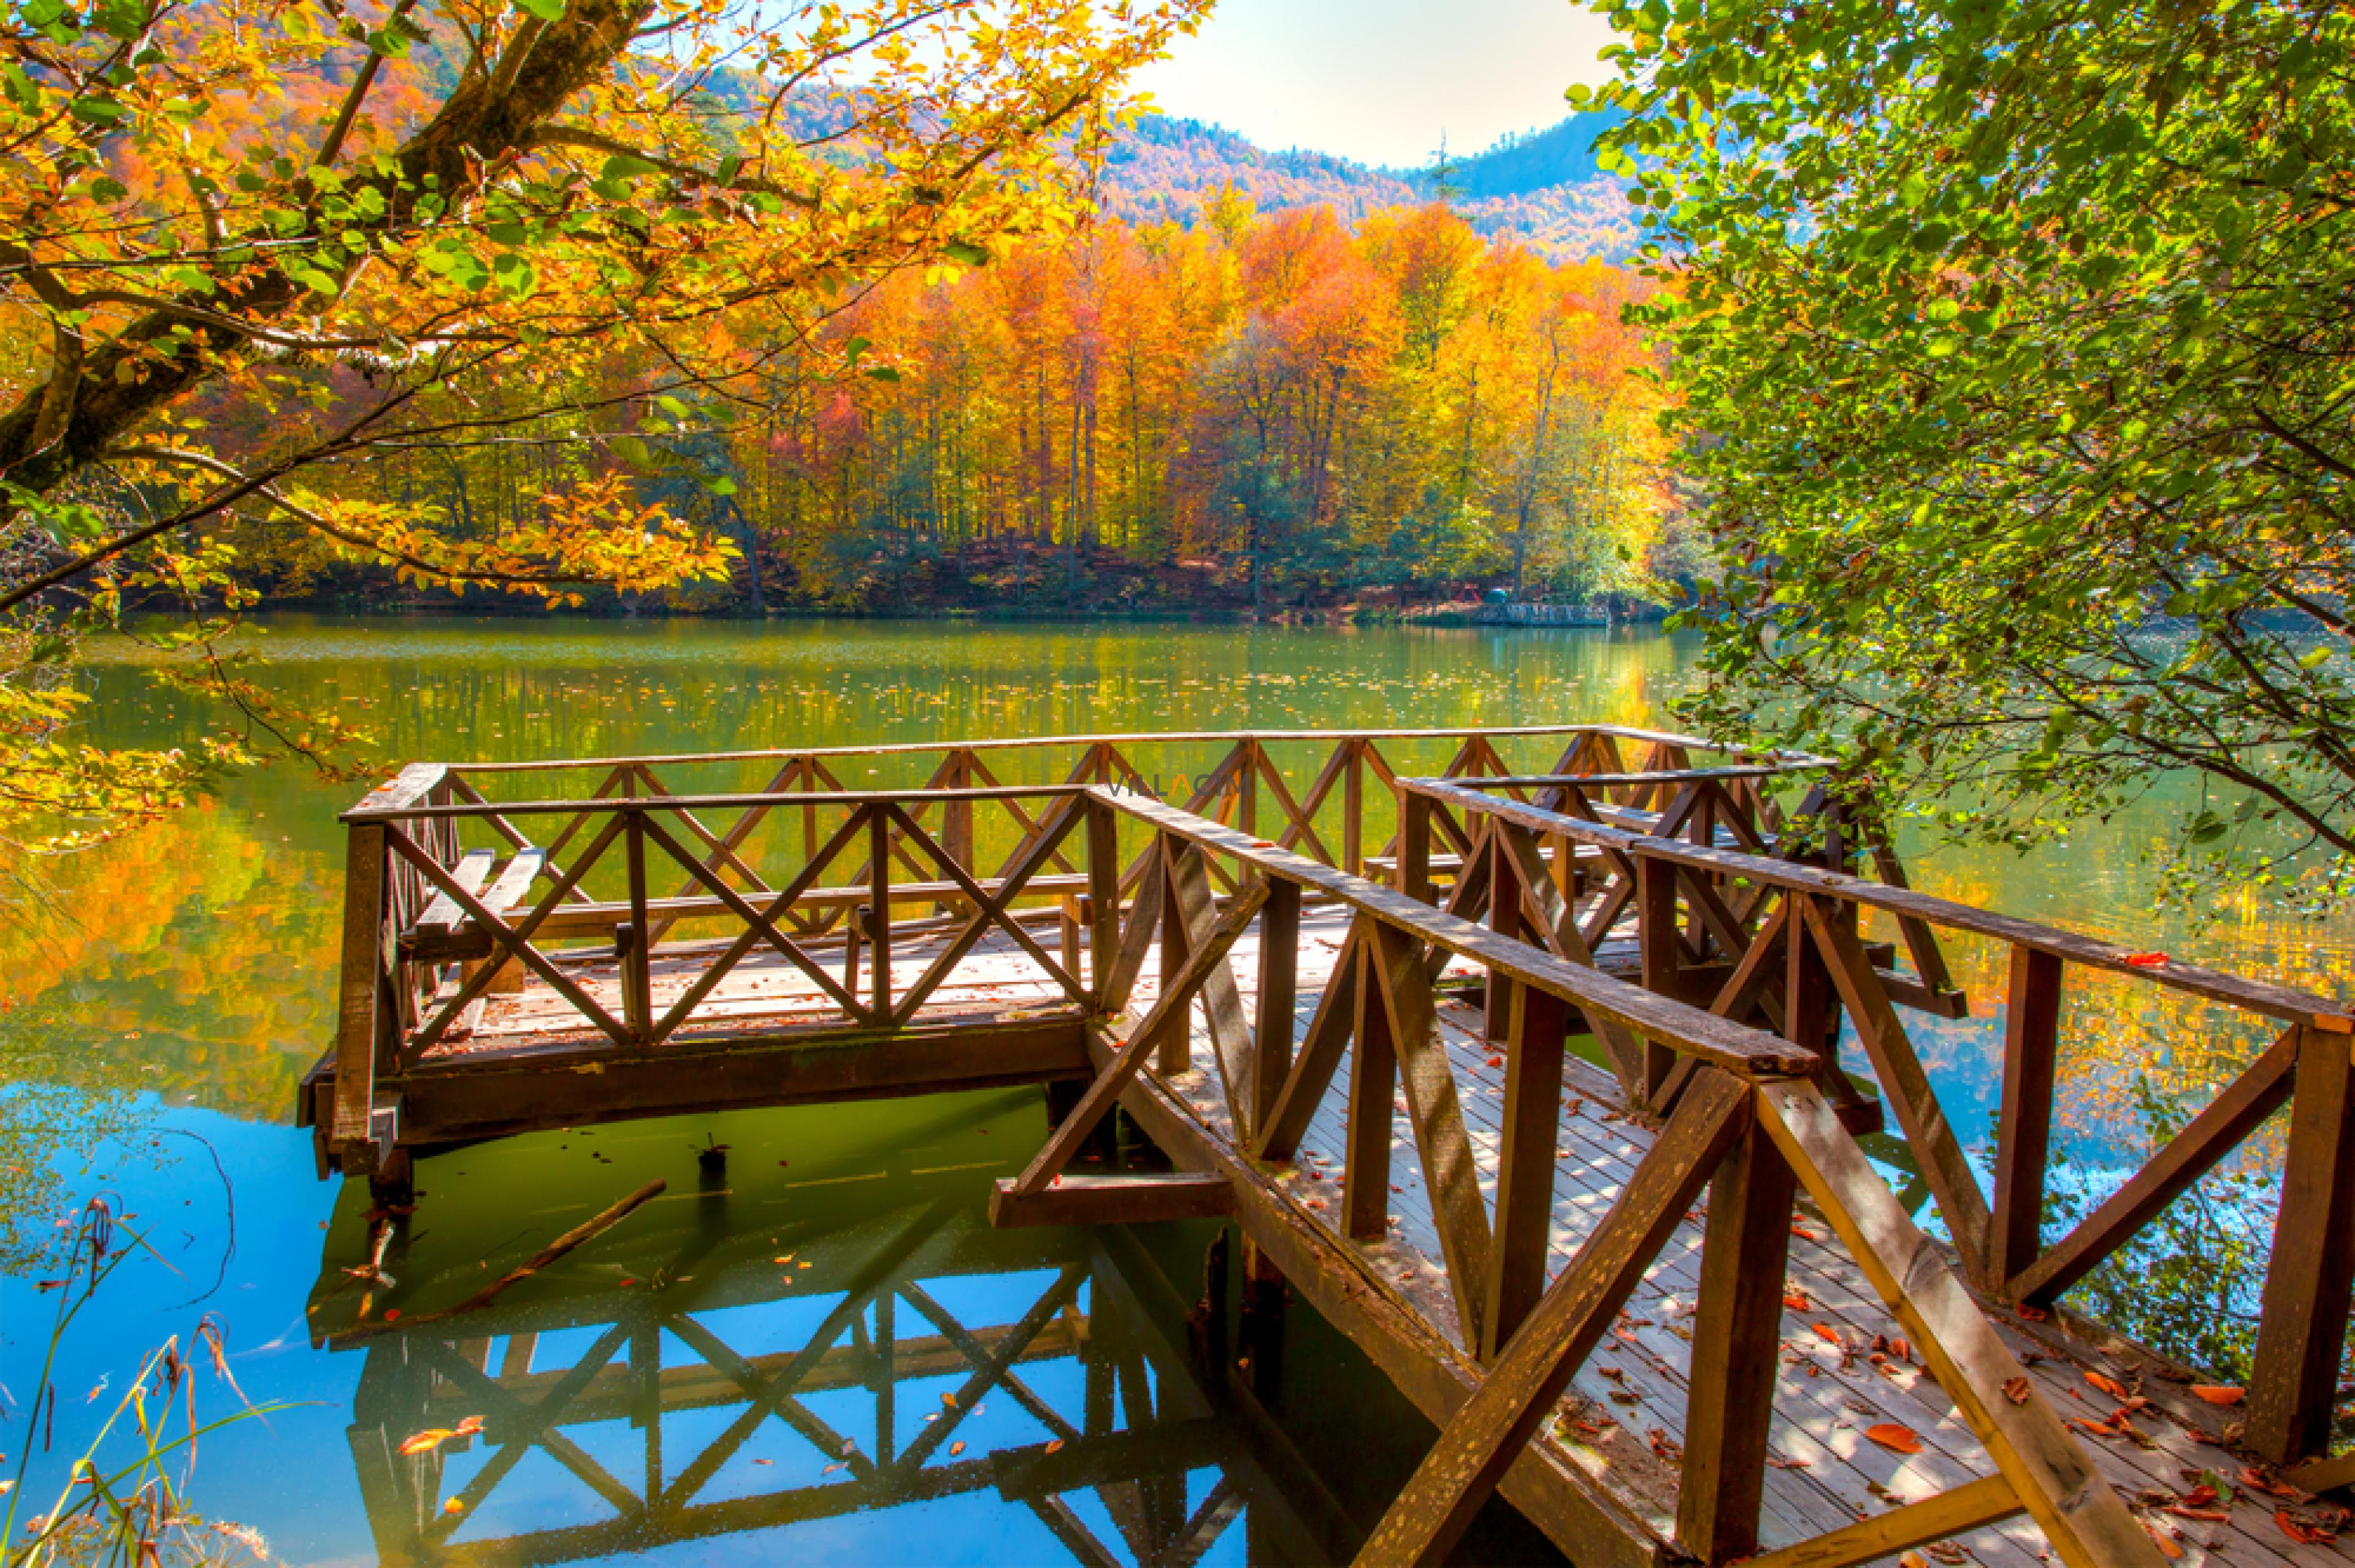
(180, 981)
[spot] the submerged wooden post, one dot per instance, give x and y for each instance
(2302, 1330)
(1736, 1345)
(2031, 1034)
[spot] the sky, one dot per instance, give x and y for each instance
(1381, 80)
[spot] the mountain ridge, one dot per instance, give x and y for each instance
(1542, 187)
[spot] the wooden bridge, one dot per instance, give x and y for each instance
(1527, 1080)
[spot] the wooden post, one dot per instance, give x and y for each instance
(1506, 917)
(1736, 1341)
(1174, 1052)
(1414, 847)
(358, 990)
(630, 959)
(1279, 974)
(638, 985)
(1524, 1165)
(1658, 939)
(2302, 1327)
(1353, 809)
(1103, 898)
(1247, 787)
(2032, 1033)
(879, 895)
(1373, 1089)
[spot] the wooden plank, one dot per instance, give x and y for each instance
(1957, 1512)
(1525, 1166)
(2218, 1128)
(1905, 1088)
(1449, 1166)
(1106, 1087)
(2053, 1475)
(1275, 1001)
(878, 907)
(1727, 1045)
(1134, 1199)
(2031, 1041)
(1475, 1448)
(1223, 1003)
(2302, 1323)
(1736, 1346)
(1136, 938)
(473, 869)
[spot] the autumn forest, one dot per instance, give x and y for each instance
(1250, 411)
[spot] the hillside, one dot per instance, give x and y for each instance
(1541, 188)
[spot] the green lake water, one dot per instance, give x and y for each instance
(180, 981)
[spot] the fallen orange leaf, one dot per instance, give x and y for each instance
(2110, 1386)
(2214, 1394)
(424, 1441)
(1890, 1435)
(1826, 1331)
(2304, 1534)
(1797, 1301)
(2146, 960)
(2164, 1540)
(1057, 1442)
(2016, 1391)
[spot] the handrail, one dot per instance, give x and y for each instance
(2257, 996)
(403, 812)
(1126, 738)
(1749, 1122)
(1689, 1029)
(1810, 948)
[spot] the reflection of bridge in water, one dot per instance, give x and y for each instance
(906, 1352)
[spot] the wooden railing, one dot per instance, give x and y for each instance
(1749, 1124)
(452, 896)
(1759, 939)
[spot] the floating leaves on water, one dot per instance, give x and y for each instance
(848, 1448)
(453, 1506)
(1052, 1446)
(432, 1438)
(948, 1400)
(1890, 1435)
(955, 1449)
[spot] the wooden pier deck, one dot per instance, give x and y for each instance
(1664, 1304)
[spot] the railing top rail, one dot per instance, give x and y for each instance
(1131, 738)
(406, 788)
(403, 810)
(1659, 777)
(1749, 1052)
(2260, 997)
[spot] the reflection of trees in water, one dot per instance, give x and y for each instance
(56, 1115)
(189, 958)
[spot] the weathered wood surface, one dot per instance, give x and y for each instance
(1823, 1474)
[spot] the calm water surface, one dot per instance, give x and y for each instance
(183, 979)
